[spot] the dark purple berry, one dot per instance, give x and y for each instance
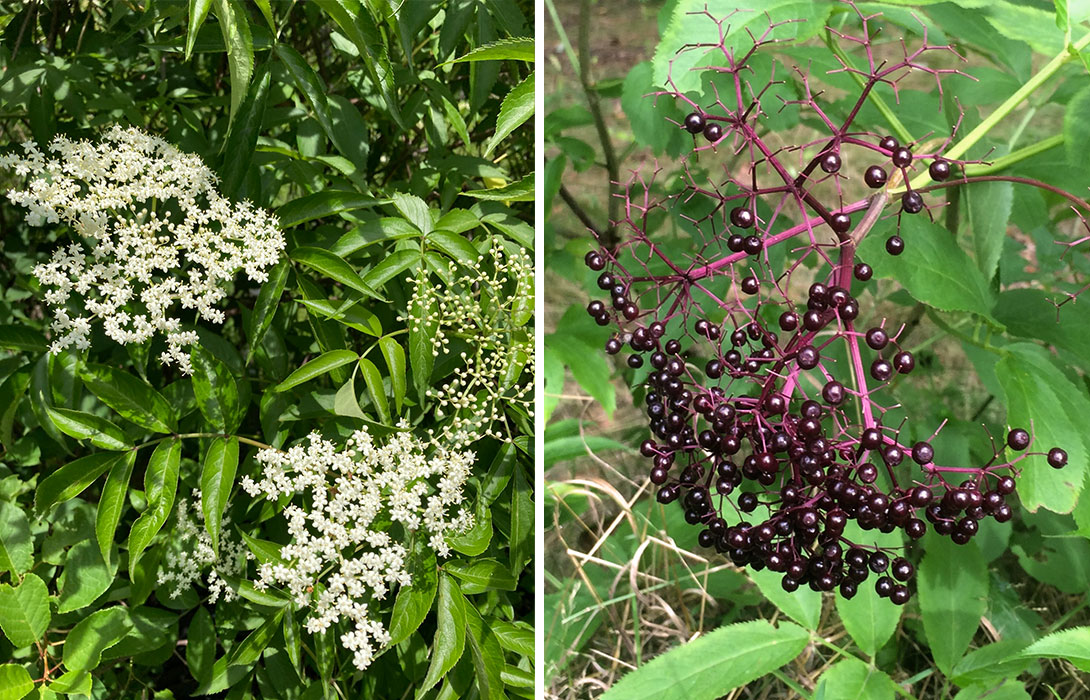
(1057, 458)
(863, 272)
(895, 245)
(875, 177)
(922, 453)
(902, 157)
(635, 361)
(881, 370)
(903, 362)
(808, 357)
(713, 131)
(751, 285)
(833, 393)
(939, 169)
(912, 202)
(595, 261)
(694, 123)
(1018, 439)
(877, 338)
(888, 143)
(741, 217)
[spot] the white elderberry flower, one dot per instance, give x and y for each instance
(191, 553)
(155, 238)
(341, 555)
(487, 307)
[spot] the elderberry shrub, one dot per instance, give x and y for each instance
(768, 444)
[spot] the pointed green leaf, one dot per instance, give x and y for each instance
(16, 542)
(335, 268)
(1071, 644)
(217, 479)
(373, 378)
(200, 650)
(160, 488)
(70, 480)
(323, 204)
(414, 209)
(391, 266)
(521, 191)
(803, 606)
(24, 611)
(395, 360)
(517, 49)
(84, 426)
(235, 26)
(216, 391)
(952, 587)
(456, 246)
(93, 635)
(414, 601)
(487, 654)
(517, 107)
(238, 149)
(198, 12)
(133, 398)
(450, 634)
(249, 650)
(112, 503)
(84, 578)
(317, 367)
(851, 679)
(713, 664)
(870, 620)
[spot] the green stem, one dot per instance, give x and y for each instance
(898, 128)
(1016, 156)
(179, 436)
(1002, 111)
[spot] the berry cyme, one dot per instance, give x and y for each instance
(769, 443)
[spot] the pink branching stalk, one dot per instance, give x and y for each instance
(740, 331)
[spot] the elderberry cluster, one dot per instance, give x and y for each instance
(765, 404)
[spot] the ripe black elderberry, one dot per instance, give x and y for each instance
(895, 245)
(741, 217)
(902, 157)
(713, 131)
(694, 123)
(875, 177)
(939, 169)
(595, 261)
(1057, 458)
(830, 163)
(888, 143)
(912, 202)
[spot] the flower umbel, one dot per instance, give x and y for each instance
(341, 555)
(193, 552)
(150, 232)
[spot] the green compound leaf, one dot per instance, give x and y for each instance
(217, 479)
(487, 654)
(84, 426)
(933, 268)
(322, 204)
(1040, 398)
(235, 26)
(93, 635)
(133, 398)
(24, 611)
(851, 679)
(714, 664)
(953, 593)
(517, 107)
(317, 367)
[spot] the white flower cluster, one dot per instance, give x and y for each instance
(341, 555)
(151, 231)
(488, 308)
(192, 553)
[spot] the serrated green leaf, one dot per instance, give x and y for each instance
(456, 246)
(391, 266)
(952, 587)
(373, 379)
(335, 268)
(16, 542)
(94, 634)
(133, 398)
(487, 654)
(1071, 644)
(1040, 398)
(517, 49)
(870, 620)
(714, 664)
(802, 606)
(247, 652)
(989, 212)
(112, 502)
(217, 479)
(323, 204)
(198, 12)
(24, 610)
(235, 27)
(450, 634)
(216, 391)
(851, 679)
(71, 479)
(268, 300)
(933, 269)
(15, 337)
(414, 209)
(481, 575)
(238, 149)
(413, 602)
(1076, 129)
(15, 682)
(320, 365)
(517, 107)
(85, 577)
(521, 191)
(395, 361)
(160, 488)
(84, 426)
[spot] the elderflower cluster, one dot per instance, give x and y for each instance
(192, 553)
(341, 555)
(151, 233)
(487, 308)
